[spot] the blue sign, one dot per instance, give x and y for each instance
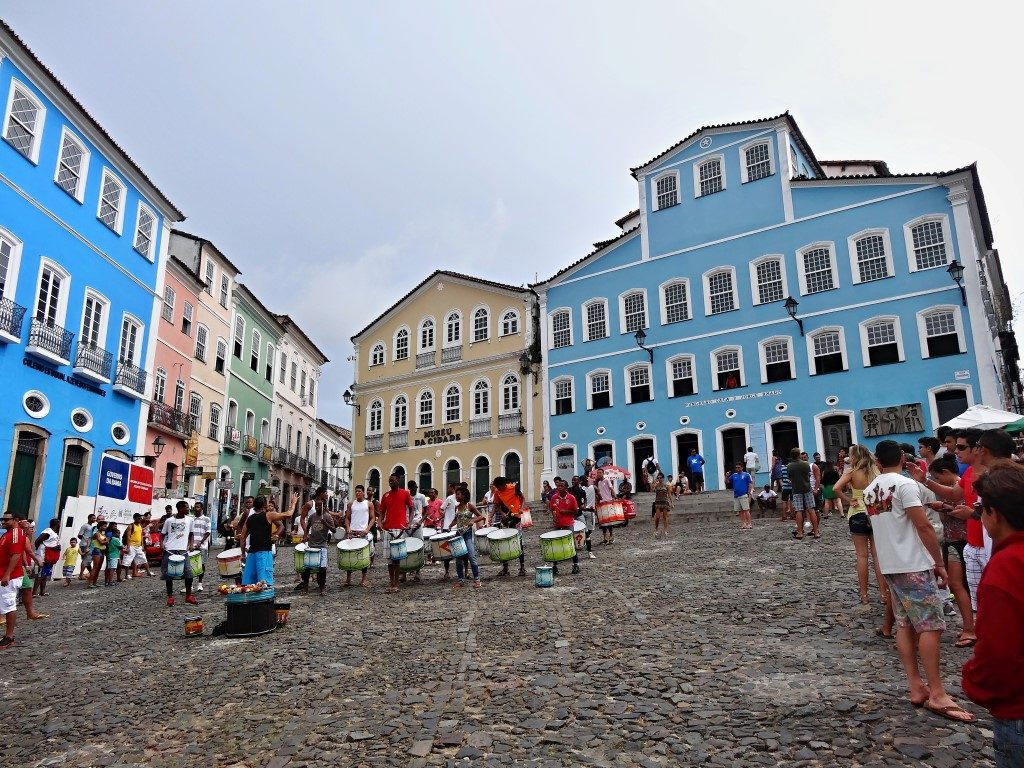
(114, 478)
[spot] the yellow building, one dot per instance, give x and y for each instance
(446, 388)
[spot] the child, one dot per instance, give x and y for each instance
(113, 555)
(70, 561)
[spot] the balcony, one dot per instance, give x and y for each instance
(398, 439)
(50, 342)
(425, 360)
(169, 419)
(480, 427)
(232, 438)
(266, 453)
(323, 477)
(280, 456)
(250, 445)
(11, 317)
(93, 362)
(374, 443)
(130, 380)
(293, 461)
(451, 354)
(510, 423)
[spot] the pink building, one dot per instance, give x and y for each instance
(174, 409)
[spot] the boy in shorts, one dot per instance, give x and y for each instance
(70, 560)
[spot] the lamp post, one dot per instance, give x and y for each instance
(791, 305)
(350, 398)
(956, 271)
(158, 447)
(640, 337)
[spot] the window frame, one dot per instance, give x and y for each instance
(862, 329)
(663, 299)
(623, 325)
(139, 210)
(762, 357)
(167, 311)
(706, 280)
(375, 408)
(83, 175)
(255, 350)
(843, 349)
(517, 384)
(400, 405)
(487, 325)
(13, 264)
(238, 343)
(159, 385)
(195, 419)
(851, 243)
(445, 407)
(37, 132)
(607, 372)
(585, 320)
(420, 346)
(225, 291)
(670, 380)
(127, 318)
(373, 361)
(673, 173)
(627, 381)
(481, 385)
(208, 280)
(745, 170)
(801, 267)
(506, 316)
(551, 327)
(421, 412)
(204, 332)
(101, 300)
(922, 330)
(118, 227)
(215, 421)
(700, 163)
(713, 357)
(572, 395)
(755, 286)
(269, 373)
(908, 239)
(61, 315)
(223, 359)
(408, 344)
(452, 318)
(187, 317)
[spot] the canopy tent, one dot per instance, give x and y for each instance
(1015, 427)
(983, 417)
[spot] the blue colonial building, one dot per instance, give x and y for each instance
(761, 297)
(83, 241)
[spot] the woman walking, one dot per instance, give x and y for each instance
(662, 504)
(466, 518)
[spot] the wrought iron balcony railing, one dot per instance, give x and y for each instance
(425, 360)
(451, 354)
(169, 419)
(50, 341)
(510, 423)
(374, 443)
(130, 380)
(480, 427)
(11, 317)
(398, 439)
(93, 361)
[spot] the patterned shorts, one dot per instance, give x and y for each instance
(802, 501)
(916, 601)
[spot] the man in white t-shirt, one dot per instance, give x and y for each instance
(911, 562)
(176, 539)
(750, 461)
(419, 501)
(767, 498)
(448, 509)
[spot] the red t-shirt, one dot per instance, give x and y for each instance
(12, 545)
(975, 531)
(394, 508)
(564, 508)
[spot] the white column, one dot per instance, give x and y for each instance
(782, 164)
(645, 245)
(526, 397)
(149, 359)
(543, 378)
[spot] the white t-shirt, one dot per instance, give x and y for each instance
(419, 501)
(51, 540)
(767, 495)
(750, 459)
(360, 517)
(899, 547)
(449, 508)
(175, 533)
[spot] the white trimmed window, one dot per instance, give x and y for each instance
(941, 331)
(293, 376)
(402, 344)
(269, 372)
(239, 336)
(179, 395)
(111, 206)
(72, 165)
(870, 255)
(638, 380)
(681, 381)
(202, 336)
(927, 239)
(816, 268)
(720, 291)
(400, 413)
(209, 277)
(145, 231)
(768, 279)
(376, 355)
(510, 323)
(794, 163)
(225, 286)
(23, 123)
(481, 324)
(452, 404)
(563, 395)
(222, 354)
(776, 357)
(826, 351)
(709, 176)
(374, 420)
(254, 350)
(453, 329)
(675, 301)
(481, 399)
(160, 386)
(52, 294)
(195, 412)
(168, 310)
(425, 409)
(597, 319)
(881, 341)
(510, 393)
(728, 366)
(186, 318)
(561, 329)
(131, 341)
(214, 432)
(94, 321)
(427, 335)
(599, 390)
(666, 190)
(757, 161)
(633, 311)
(10, 261)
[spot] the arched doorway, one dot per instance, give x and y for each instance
(565, 461)
(513, 468)
(481, 476)
(950, 403)
(785, 437)
(27, 472)
(373, 481)
(452, 473)
(835, 434)
(399, 472)
(641, 449)
(685, 442)
(603, 452)
(73, 472)
(425, 477)
(734, 445)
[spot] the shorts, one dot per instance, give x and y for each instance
(827, 492)
(859, 524)
(741, 503)
(390, 536)
(27, 582)
(133, 556)
(259, 566)
(69, 571)
(953, 550)
(916, 601)
(802, 501)
(112, 563)
(46, 571)
(787, 494)
(9, 595)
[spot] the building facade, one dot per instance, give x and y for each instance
(83, 246)
(332, 447)
(441, 391)
(248, 450)
(733, 221)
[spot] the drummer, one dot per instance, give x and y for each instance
(359, 519)
(467, 517)
(396, 510)
(176, 539)
(319, 527)
(254, 535)
(604, 492)
(589, 511)
(565, 509)
(508, 501)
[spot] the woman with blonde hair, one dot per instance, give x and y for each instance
(863, 470)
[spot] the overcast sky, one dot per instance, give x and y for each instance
(339, 152)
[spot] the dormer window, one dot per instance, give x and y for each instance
(757, 161)
(666, 189)
(709, 176)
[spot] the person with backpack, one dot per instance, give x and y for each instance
(651, 470)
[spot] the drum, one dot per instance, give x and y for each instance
(427, 533)
(300, 557)
(414, 550)
(506, 544)
(175, 566)
(579, 533)
(611, 513)
(311, 558)
(458, 546)
(229, 563)
(398, 549)
(354, 554)
(545, 576)
(195, 562)
(628, 509)
(483, 547)
(556, 546)
(440, 545)
(193, 626)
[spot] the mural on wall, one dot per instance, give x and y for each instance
(892, 420)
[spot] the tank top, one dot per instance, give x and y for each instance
(360, 517)
(259, 532)
(858, 502)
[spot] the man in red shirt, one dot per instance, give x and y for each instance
(396, 510)
(564, 507)
(12, 552)
(994, 676)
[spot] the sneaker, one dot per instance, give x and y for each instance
(593, 556)
(200, 587)
(6, 642)
(129, 577)
(170, 601)
(191, 600)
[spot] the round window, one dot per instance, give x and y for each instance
(563, 435)
(730, 414)
(831, 400)
(120, 433)
(684, 420)
(36, 404)
(600, 430)
(81, 420)
(781, 407)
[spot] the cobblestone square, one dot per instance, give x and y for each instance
(713, 646)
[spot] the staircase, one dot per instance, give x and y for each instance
(707, 507)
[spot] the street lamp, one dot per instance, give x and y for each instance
(791, 305)
(956, 271)
(350, 399)
(641, 338)
(158, 447)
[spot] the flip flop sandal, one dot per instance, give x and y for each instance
(965, 642)
(947, 712)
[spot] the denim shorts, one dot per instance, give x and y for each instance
(859, 524)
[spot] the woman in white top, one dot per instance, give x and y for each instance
(359, 519)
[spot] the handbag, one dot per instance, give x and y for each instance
(51, 555)
(526, 519)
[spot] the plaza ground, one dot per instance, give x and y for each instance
(713, 646)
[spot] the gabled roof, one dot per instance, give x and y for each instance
(189, 272)
(598, 247)
(342, 432)
(624, 219)
(797, 134)
(288, 324)
(881, 167)
(205, 241)
(427, 279)
(248, 295)
(92, 121)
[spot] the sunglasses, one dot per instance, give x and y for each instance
(960, 447)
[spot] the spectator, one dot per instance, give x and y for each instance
(695, 463)
(134, 553)
(113, 555)
(85, 545)
(48, 550)
(742, 489)
(71, 556)
(201, 530)
(929, 448)
(12, 549)
(767, 498)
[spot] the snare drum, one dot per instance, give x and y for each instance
(579, 533)
(506, 544)
(354, 554)
(545, 576)
(611, 513)
(427, 533)
(229, 563)
(440, 545)
(483, 547)
(195, 563)
(398, 549)
(300, 557)
(311, 558)
(175, 566)
(458, 546)
(556, 546)
(413, 556)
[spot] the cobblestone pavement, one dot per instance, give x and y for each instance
(714, 646)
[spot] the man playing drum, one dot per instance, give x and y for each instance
(565, 509)
(254, 534)
(396, 509)
(604, 492)
(319, 527)
(359, 519)
(508, 500)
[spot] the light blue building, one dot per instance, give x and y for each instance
(83, 244)
(733, 221)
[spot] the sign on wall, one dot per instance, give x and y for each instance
(891, 420)
(124, 489)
